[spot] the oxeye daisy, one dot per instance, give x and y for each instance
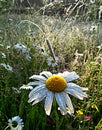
(21, 47)
(7, 67)
(52, 62)
(26, 86)
(92, 1)
(16, 123)
(50, 85)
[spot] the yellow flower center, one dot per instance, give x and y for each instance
(56, 83)
(25, 85)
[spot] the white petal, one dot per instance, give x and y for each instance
(76, 93)
(61, 101)
(35, 83)
(69, 103)
(62, 111)
(47, 74)
(38, 77)
(76, 87)
(48, 102)
(40, 97)
(69, 76)
(36, 90)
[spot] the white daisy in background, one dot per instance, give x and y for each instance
(92, 1)
(7, 67)
(24, 50)
(21, 47)
(50, 85)
(16, 123)
(52, 62)
(26, 86)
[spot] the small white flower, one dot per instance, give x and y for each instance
(92, 1)
(26, 86)
(16, 123)
(21, 47)
(50, 85)
(7, 67)
(52, 62)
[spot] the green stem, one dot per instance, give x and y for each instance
(7, 127)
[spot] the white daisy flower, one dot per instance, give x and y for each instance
(52, 62)
(26, 86)
(21, 47)
(7, 67)
(92, 1)
(50, 85)
(16, 123)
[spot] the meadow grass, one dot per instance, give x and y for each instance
(69, 39)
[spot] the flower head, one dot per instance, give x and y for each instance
(21, 47)
(92, 1)
(50, 85)
(26, 86)
(79, 112)
(87, 117)
(52, 62)
(15, 123)
(7, 67)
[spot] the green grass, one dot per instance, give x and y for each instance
(65, 38)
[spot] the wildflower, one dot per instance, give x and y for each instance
(94, 106)
(24, 50)
(21, 47)
(7, 67)
(15, 123)
(92, 1)
(26, 86)
(50, 85)
(79, 112)
(52, 62)
(87, 117)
